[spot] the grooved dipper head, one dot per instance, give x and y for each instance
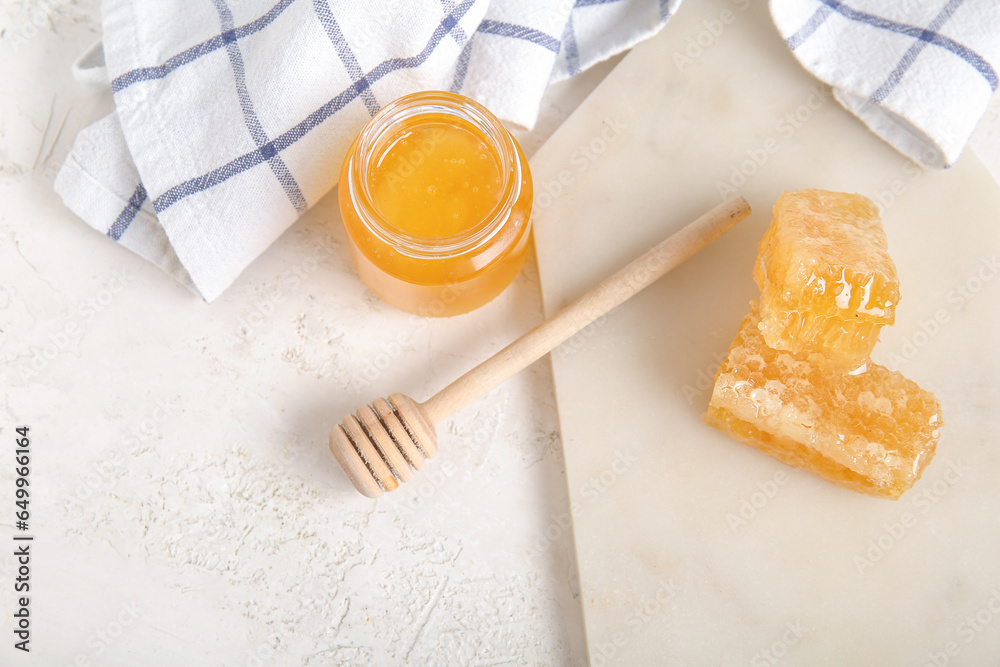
(381, 444)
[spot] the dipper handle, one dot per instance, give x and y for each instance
(611, 292)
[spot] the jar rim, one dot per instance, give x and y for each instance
(380, 127)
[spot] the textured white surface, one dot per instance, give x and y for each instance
(692, 548)
(185, 507)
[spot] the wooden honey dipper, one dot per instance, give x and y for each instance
(383, 443)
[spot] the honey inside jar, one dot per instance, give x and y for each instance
(436, 179)
(435, 196)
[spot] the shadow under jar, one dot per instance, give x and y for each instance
(436, 197)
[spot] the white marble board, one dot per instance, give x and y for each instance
(694, 549)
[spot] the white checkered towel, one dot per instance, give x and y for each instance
(232, 116)
(919, 74)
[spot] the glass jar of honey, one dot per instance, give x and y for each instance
(436, 196)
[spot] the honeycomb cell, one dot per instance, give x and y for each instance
(859, 430)
(827, 282)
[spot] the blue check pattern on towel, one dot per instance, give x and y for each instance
(232, 116)
(919, 74)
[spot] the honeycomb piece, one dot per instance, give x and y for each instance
(827, 282)
(872, 431)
